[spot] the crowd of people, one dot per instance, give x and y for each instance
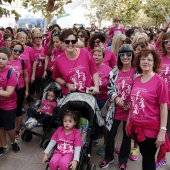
(128, 70)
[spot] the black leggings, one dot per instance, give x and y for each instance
(148, 150)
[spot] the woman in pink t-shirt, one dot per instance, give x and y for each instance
(148, 113)
(75, 69)
(8, 100)
(119, 88)
(40, 61)
(52, 50)
(98, 40)
(20, 68)
(68, 140)
(165, 74)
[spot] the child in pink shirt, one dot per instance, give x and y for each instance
(44, 113)
(69, 142)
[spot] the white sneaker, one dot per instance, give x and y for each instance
(32, 124)
(30, 120)
(37, 102)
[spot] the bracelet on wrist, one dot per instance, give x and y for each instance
(163, 128)
(65, 84)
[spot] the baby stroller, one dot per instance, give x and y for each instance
(87, 106)
(28, 133)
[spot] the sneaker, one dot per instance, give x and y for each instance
(16, 147)
(3, 149)
(134, 154)
(101, 151)
(30, 120)
(95, 143)
(37, 102)
(32, 125)
(161, 163)
(105, 163)
(117, 150)
(123, 167)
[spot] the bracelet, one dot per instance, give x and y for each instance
(163, 128)
(163, 30)
(65, 84)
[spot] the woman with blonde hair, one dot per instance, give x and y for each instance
(117, 41)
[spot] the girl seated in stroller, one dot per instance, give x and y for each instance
(69, 142)
(43, 114)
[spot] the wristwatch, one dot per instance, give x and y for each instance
(163, 128)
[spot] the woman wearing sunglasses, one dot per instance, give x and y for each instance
(165, 74)
(119, 88)
(8, 100)
(20, 68)
(83, 37)
(40, 60)
(148, 113)
(75, 70)
(98, 40)
(29, 57)
(52, 51)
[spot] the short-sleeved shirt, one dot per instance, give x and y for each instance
(67, 142)
(8, 103)
(114, 30)
(17, 66)
(165, 73)
(48, 107)
(146, 99)
(78, 72)
(40, 63)
(103, 71)
(124, 84)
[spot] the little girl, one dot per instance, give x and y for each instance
(43, 114)
(69, 142)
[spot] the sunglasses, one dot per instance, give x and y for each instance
(17, 51)
(97, 41)
(80, 36)
(166, 41)
(38, 37)
(68, 41)
(127, 54)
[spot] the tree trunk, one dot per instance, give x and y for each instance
(48, 21)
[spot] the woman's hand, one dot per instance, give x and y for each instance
(26, 93)
(71, 87)
(94, 89)
(32, 79)
(45, 158)
(160, 138)
(73, 165)
(119, 102)
(45, 74)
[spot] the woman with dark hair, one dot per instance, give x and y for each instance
(20, 68)
(119, 88)
(75, 69)
(98, 40)
(83, 37)
(52, 53)
(148, 109)
(9, 30)
(7, 39)
(138, 47)
(165, 74)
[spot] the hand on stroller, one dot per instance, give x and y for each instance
(45, 158)
(73, 165)
(71, 87)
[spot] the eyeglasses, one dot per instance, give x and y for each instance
(166, 41)
(68, 41)
(80, 36)
(38, 37)
(17, 51)
(97, 41)
(146, 59)
(127, 54)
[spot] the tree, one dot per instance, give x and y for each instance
(48, 8)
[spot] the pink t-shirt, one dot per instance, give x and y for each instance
(103, 71)
(67, 142)
(29, 57)
(165, 73)
(124, 84)
(8, 103)
(145, 101)
(16, 65)
(48, 106)
(78, 72)
(114, 30)
(40, 62)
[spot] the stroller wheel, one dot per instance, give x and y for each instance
(26, 136)
(45, 143)
(93, 167)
